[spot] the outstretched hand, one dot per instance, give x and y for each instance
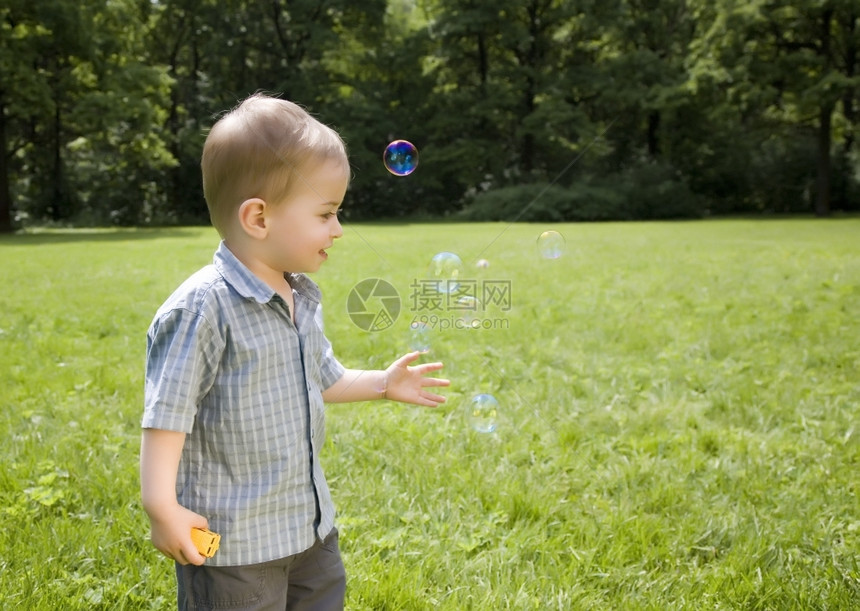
(407, 383)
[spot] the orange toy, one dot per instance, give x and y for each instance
(205, 541)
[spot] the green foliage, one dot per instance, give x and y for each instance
(752, 105)
(92, 149)
(546, 203)
(677, 430)
(649, 191)
(657, 191)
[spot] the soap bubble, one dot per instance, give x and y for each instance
(445, 270)
(483, 413)
(482, 264)
(400, 158)
(550, 244)
(467, 308)
(419, 336)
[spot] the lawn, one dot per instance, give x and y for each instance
(678, 420)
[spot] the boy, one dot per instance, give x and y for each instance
(238, 369)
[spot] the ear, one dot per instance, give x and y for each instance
(252, 217)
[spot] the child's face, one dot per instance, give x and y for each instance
(305, 224)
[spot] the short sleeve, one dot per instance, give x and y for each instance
(330, 368)
(182, 356)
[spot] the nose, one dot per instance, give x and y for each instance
(337, 230)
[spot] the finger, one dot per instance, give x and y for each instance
(432, 400)
(178, 557)
(192, 556)
(428, 367)
(404, 360)
(435, 382)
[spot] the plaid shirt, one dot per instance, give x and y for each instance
(226, 365)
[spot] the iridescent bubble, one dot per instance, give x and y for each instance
(484, 413)
(482, 264)
(419, 337)
(468, 308)
(550, 244)
(444, 271)
(400, 158)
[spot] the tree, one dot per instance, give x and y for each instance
(752, 104)
(24, 94)
(816, 46)
(120, 151)
(80, 123)
(644, 56)
(219, 51)
(793, 64)
(507, 98)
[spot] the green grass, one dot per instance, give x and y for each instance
(678, 427)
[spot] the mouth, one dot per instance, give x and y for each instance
(323, 254)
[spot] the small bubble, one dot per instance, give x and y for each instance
(419, 337)
(550, 244)
(468, 307)
(482, 264)
(483, 413)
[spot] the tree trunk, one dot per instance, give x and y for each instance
(483, 62)
(654, 134)
(530, 63)
(57, 205)
(825, 120)
(848, 108)
(822, 182)
(5, 192)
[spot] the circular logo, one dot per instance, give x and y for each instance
(373, 305)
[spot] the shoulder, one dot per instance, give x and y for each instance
(204, 295)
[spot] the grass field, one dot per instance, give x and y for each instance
(678, 424)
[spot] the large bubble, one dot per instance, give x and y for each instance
(400, 158)
(444, 271)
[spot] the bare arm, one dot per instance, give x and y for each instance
(399, 382)
(171, 523)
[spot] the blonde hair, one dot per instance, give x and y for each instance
(257, 150)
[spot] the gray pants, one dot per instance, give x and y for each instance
(313, 580)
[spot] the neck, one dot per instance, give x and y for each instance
(274, 278)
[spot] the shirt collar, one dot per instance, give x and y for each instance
(250, 286)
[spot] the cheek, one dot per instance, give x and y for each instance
(313, 234)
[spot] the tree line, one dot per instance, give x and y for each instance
(521, 109)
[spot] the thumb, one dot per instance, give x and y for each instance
(200, 522)
(404, 360)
